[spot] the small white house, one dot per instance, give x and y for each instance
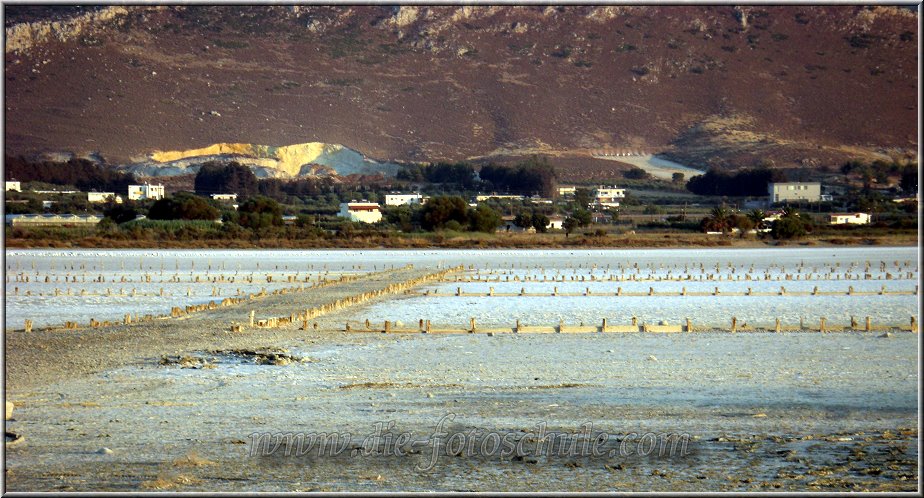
(12, 186)
(402, 199)
(850, 218)
(567, 190)
(224, 197)
(103, 197)
(556, 223)
(141, 192)
(366, 212)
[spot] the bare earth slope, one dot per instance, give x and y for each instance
(709, 85)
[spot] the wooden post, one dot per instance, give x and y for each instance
(428, 326)
(914, 325)
(517, 326)
(853, 323)
(472, 323)
(689, 325)
(491, 291)
(252, 312)
(28, 326)
(555, 291)
(869, 324)
(458, 291)
(387, 326)
(734, 324)
(651, 291)
(683, 291)
(850, 290)
(420, 326)
(822, 326)
(347, 328)
(716, 292)
(777, 327)
(635, 321)
(603, 326)
(128, 318)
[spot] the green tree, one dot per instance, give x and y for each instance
(441, 209)
(524, 219)
(540, 222)
(120, 213)
(582, 216)
(259, 212)
(232, 178)
(182, 206)
(484, 219)
(569, 225)
(791, 225)
(582, 198)
(678, 177)
(720, 219)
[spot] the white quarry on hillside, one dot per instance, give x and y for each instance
(266, 161)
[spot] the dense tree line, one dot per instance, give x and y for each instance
(182, 206)
(531, 177)
(231, 178)
(81, 173)
(748, 182)
(459, 174)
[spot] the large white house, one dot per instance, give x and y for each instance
(224, 197)
(366, 212)
(12, 185)
(609, 196)
(103, 197)
(401, 199)
(850, 218)
(141, 192)
(794, 191)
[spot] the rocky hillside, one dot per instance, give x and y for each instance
(707, 86)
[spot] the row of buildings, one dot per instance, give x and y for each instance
(134, 193)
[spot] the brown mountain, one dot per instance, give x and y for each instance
(724, 86)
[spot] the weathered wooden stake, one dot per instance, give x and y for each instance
(777, 327)
(28, 326)
(689, 325)
(734, 324)
(252, 313)
(822, 325)
(869, 324)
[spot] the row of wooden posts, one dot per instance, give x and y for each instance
(679, 278)
(177, 311)
(339, 304)
(425, 327)
(174, 279)
(683, 292)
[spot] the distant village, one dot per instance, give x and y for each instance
(602, 205)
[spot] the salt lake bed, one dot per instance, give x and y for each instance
(761, 410)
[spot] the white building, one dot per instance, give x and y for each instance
(366, 212)
(567, 190)
(609, 196)
(850, 218)
(103, 197)
(402, 199)
(556, 223)
(794, 191)
(482, 198)
(224, 197)
(13, 186)
(141, 192)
